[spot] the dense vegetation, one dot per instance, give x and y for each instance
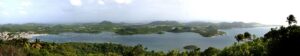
(278, 41)
(22, 47)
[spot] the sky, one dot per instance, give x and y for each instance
(78, 11)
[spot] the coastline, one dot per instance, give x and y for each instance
(33, 35)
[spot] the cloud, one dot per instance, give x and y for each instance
(1, 3)
(26, 3)
(22, 12)
(76, 2)
(123, 1)
(101, 2)
(7, 14)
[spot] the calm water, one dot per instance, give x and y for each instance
(158, 42)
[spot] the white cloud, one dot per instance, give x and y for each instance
(123, 1)
(22, 12)
(239, 10)
(26, 3)
(101, 2)
(7, 14)
(1, 3)
(76, 2)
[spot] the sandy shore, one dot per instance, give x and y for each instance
(33, 35)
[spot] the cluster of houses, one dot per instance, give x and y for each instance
(12, 35)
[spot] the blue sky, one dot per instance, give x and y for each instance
(73, 11)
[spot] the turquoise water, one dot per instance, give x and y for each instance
(157, 42)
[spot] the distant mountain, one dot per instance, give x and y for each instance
(199, 23)
(223, 25)
(108, 24)
(172, 23)
(226, 25)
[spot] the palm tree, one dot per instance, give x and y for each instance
(291, 19)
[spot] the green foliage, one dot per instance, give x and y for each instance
(241, 37)
(195, 52)
(211, 51)
(283, 39)
(247, 35)
(137, 50)
(212, 29)
(173, 53)
(70, 49)
(256, 47)
(209, 31)
(10, 50)
(82, 49)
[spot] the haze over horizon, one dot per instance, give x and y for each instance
(80, 11)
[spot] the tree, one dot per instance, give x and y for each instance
(211, 51)
(255, 47)
(291, 19)
(284, 39)
(242, 37)
(247, 35)
(195, 52)
(239, 37)
(137, 50)
(173, 53)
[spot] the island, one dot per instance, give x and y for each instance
(205, 29)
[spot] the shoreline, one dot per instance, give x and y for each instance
(33, 35)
